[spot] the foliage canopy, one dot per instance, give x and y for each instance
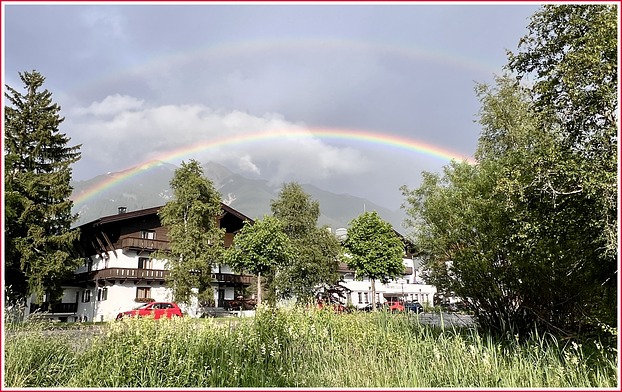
(317, 250)
(260, 248)
(374, 250)
(529, 234)
(196, 241)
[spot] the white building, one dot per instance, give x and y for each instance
(119, 274)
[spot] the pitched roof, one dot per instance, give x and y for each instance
(150, 211)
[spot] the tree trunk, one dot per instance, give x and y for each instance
(373, 294)
(258, 288)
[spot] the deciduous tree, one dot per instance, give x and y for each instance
(528, 234)
(317, 250)
(196, 241)
(37, 175)
(260, 248)
(374, 250)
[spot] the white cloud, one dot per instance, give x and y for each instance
(245, 163)
(122, 131)
(111, 105)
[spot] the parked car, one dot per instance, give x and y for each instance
(156, 310)
(413, 307)
(379, 306)
(395, 306)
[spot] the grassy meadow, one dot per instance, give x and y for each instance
(296, 348)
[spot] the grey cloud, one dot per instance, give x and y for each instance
(127, 75)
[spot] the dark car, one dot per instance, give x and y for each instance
(157, 310)
(413, 307)
(379, 306)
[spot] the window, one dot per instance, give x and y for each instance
(102, 294)
(143, 292)
(366, 298)
(147, 234)
(86, 296)
(145, 263)
(360, 297)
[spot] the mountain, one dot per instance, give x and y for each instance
(138, 189)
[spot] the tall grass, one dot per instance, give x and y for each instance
(300, 348)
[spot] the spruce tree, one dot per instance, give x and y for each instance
(37, 175)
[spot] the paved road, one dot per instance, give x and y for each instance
(447, 319)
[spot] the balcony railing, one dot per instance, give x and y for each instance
(55, 308)
(123, 273)
(143, 244)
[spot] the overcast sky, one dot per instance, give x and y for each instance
(137, 81)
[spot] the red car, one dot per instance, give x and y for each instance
(396, 306)
(156, 310)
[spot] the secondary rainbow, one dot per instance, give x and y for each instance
(387, 140)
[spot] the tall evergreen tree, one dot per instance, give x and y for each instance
(196, 241)
(37, 177)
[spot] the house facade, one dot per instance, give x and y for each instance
(119, 273)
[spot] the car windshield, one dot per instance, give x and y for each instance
(143, 306)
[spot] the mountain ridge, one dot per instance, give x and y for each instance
(252, 197)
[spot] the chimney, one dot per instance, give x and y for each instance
(122, 210)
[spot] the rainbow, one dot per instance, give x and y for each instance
(387, 140)
(259, 46)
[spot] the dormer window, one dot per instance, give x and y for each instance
(147, 235)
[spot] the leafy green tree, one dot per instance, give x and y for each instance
(570, 55)
(260, 248)
(374, 250)
(527, 234)
(317, 250)
(37, 173)
(196, 241)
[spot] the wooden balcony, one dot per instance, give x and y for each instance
(135, 243)
(135, 274)
(233, 278)
(64, 308)
(123, 274)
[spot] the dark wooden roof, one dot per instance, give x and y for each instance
(235, 213)
(154, 210)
